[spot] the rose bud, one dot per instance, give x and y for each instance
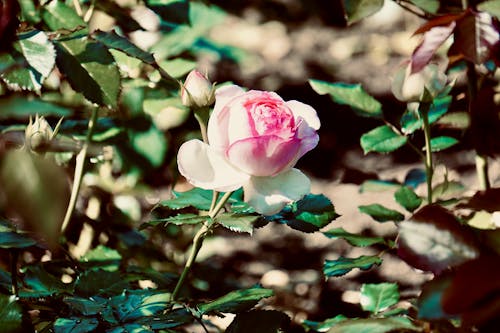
(422, 86)
(197, 91)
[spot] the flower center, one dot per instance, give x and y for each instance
(271, 117)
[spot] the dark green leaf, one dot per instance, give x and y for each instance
(382, 139)
(75, 325)
(236, 301)
(150, 144)
(57, 15)
(197, 198)
(349, 94)
(261, 321)
(410, 121)
(39, 280)
(323, 326)
(11, 315)
(20, 107)
(434, 240)
(130, 328)
(380, 213)
(90, 68)
(238, 223)
(442, 143)
(342, 265)
(133, 305)
(100, 282)
(378, 297)
(10, 239)
(114, 41)
(353, 239)
(310, 214)
(375, 325)
(407, 198)
(103, 257)
(415, 177)
(429, 301)
(356, 10)
(171, 319)
(86, 306)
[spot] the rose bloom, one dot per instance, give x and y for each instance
(410, 87)
(255, 139)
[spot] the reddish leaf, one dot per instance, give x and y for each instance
(433, 39)
(434, 240)
(438, 22)
(476, 38)
(8, 23)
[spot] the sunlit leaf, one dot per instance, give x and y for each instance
(407, 198)
(262, 321)
(150, 144)
(114, 41)
(442, 142)
(374, 325)
(103, 257)
(57, 15)
(75, 325)
(353, 239)
(382, 139)
(86, 306)
(352, 95)
(410, 121)
(132, 305)
(342, 265)
(356, 10)
(377, 297)
(238, 223)
(196, 197)
(179, 219)
(325, 325)
(433, 240)
(378, 186)
(236, 301)
(380, 213)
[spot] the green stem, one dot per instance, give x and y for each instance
(429, 168)
(80, 163)
(203, 126)
(14, 255)
(197, 244)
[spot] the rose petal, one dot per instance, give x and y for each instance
(268, 195)
(264, 156)
(308, 139)
(306, 112)
(205, 168)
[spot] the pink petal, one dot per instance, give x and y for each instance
(268, 195)
(306, 112)
(205, 168)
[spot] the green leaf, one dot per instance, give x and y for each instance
(429, 301)
(490, 6)
(356, 10)
(75, 325)
(380, 213)
(90, 68)
(11, 315)
(236, 301)
(57, 15)
(325, 325)
(382, 139)
(132, 305)
(180, 219)
(377, 186)
(378, 297)
(197, 198)
(353, 239)
(447, 190)
(20, 107)
(262, 321)
(342, 265)
(238, 223)
(29, 12)
(178, 67)
(442, 142)
(375, 325)
(42, 282)
(456, 120)
(38, 52)
(430, 6)
(100, 282)
(103, 257)
(10, 239)
(352, 95)
(407, 198)
(410, 121)
(114, 41)
(86, 306)
(150, 144)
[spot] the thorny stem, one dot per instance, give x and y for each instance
(198, 242)
(429, 168)
(14, 255)
(80, 163)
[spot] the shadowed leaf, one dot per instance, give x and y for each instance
(353, 239)
(356, 10)
(261, 321)
(236, 301)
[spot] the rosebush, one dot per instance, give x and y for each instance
(254, 140)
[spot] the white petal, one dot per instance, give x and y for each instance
(204, 168)
(306, 112)
(224, 94)
(268, 195)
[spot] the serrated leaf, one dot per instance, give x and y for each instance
(442, 142)
(86, 306)
(380, 213)
(410, 121)
(434, 240)
(407, 198)
(90, 68)
(262, 321)
(431, 42)
(238, 223)
(375, 325)
(353, 239)
(103, 257)
(75, 325)
(342, 265)
(356, 10)
(490, 6)
(325, 325)
(382, 139)
(378, 297)
(132, 305)
(352, 95)
(114, 41)
(180, 219)
(11, 314)
(236, 301)
(196, 197)
(57, 15)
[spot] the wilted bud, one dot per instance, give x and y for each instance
(418, 87)
(197, 91)
(38, 134)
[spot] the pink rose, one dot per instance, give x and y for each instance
(255, 139)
